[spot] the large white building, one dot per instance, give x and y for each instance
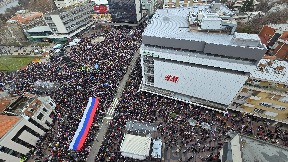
(67, 22)
(192, 54)
(24, 121)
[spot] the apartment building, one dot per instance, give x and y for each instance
(275, 36)
(193, 54)
(67, 22)
(25, 119)
(265, 93)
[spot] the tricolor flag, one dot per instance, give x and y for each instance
(85, 124)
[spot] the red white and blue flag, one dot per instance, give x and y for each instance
(85, 124)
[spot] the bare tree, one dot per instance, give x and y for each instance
(255, 25)
(263, 6)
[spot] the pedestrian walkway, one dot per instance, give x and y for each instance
(104, 126)
(27, 51)
(115, 102)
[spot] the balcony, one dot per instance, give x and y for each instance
(269, 108)
(267, 87)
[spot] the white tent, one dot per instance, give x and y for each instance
(136, 147)
(72, 44)
(57, 46)
(157, 146)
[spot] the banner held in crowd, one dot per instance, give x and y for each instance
(85, 124)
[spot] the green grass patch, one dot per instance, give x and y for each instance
(13, 63)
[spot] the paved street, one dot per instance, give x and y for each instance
(109, 116)
(27, 51)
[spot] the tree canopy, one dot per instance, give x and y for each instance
(255, 25)
(248, 6)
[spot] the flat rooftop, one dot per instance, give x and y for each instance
(68, 8)
(135, 146)
(271, 73)
(38, 29)
(173, 23)
(23, 105)
(256, 150)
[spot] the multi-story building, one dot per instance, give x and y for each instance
(275, 36)
(265, 93)
(38, 34)
(24, 121)
(123, 12)
(193, 54)
(67, 22)
(244, 17)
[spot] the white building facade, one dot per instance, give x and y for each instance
(19, 140)
(34, 121)
(70, 21)
(190, 63)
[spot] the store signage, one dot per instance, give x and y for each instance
(172, 78)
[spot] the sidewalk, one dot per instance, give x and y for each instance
(27, 51)
(103, 128)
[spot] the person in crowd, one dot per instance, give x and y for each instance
(95, 70)
(78, 79)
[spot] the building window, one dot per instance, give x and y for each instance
(37, 124)
(48, 18)
(20, 141)
(54, 29)
(50, 103)
(150, 79)
(40, 116)
(11, 152)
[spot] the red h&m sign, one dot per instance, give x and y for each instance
(172, 78)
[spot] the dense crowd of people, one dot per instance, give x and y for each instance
(77, 78)
(189, 142)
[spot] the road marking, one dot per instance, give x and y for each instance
(113, 106)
